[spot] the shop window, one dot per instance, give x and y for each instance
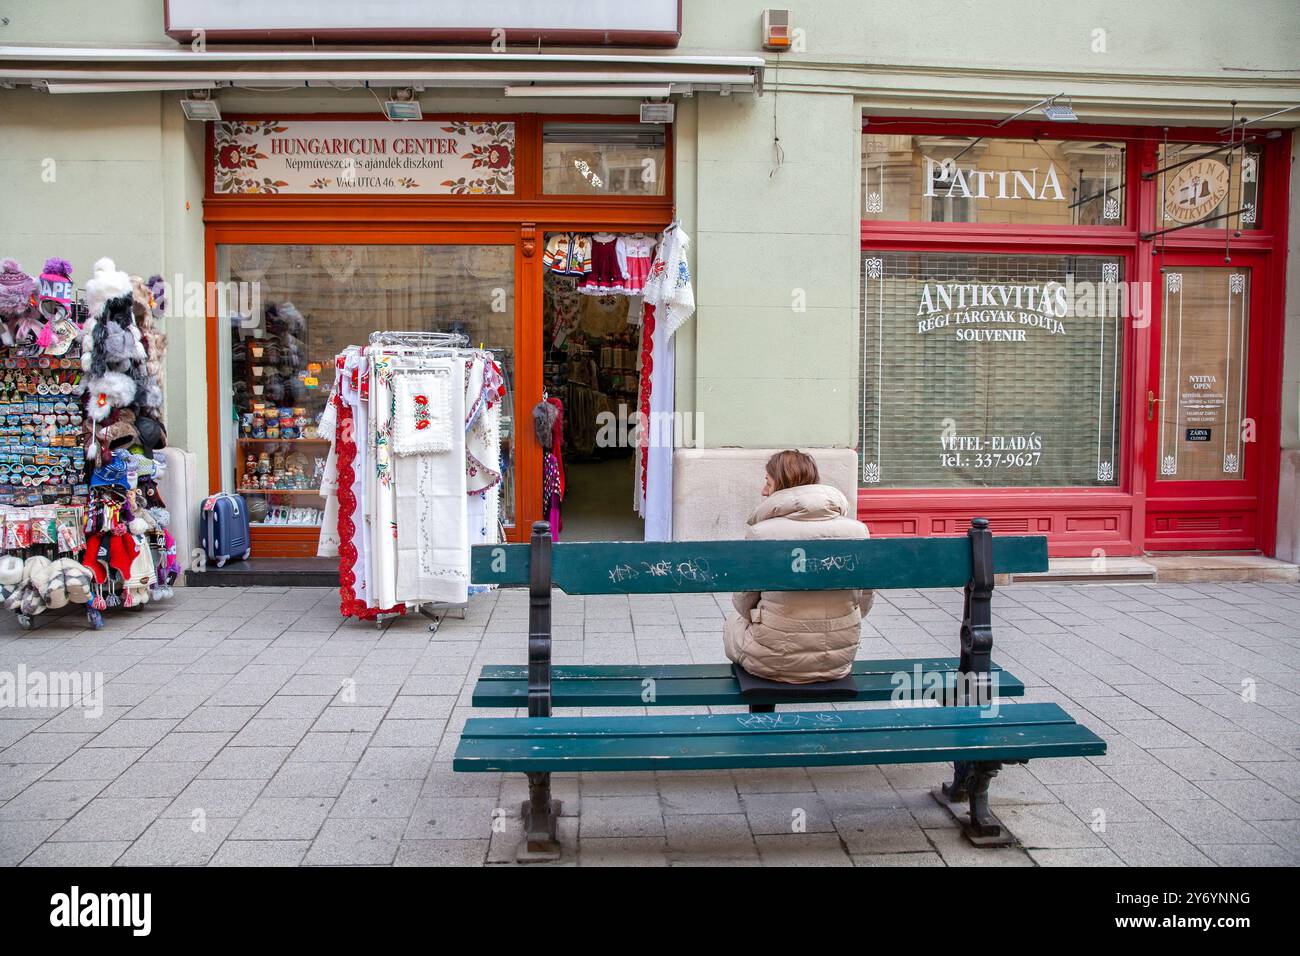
(1206, 182)
(603, 159)
(292, 308)
(1203, 348)
(991, 370)
(989, 180)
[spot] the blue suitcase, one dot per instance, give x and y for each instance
(223, 528)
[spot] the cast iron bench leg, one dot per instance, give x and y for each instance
(541, 813)
(970, 778)
(970, 782)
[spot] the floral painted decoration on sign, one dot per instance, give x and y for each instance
(493, 153)
(235, 158)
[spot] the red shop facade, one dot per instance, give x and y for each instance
(1075, 330)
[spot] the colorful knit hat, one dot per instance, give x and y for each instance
(56, 289)
(16, 289)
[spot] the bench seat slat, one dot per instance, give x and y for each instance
(781, 722)
(661, 671)
(603, 748)
(693, 685)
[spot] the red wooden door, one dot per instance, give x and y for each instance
(1203, 403)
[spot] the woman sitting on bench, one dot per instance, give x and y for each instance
(799, 637)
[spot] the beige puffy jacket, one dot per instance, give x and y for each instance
(798, 636)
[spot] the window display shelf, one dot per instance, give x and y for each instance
(279, 491)
(286, 441)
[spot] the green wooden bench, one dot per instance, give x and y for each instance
(974, 729)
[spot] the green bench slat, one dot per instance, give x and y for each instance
(676, 567)
(787, 739)
(691, 684)
(891, 665)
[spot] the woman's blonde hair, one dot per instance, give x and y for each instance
(791, 468)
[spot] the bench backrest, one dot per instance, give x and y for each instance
(653, 567)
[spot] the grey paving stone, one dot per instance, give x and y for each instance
(1151, 843)
(134, 733)
(891, 830)
(898, 859)
(1076, 857)
(708, 839)
(112, 818)
(215, 799)
(801, 849)
(51, 800)
(1048, 826)
(15, 777)
(1200, 763)
(355, 842)
(348, 717)
(76, 854)
(283, 818)
(44, 748)
(409, 733)
(178, 842)
(94, 763)
(318, 746)
(272, 732)
(177, 746)
(155, 779)
(955, 850)
(452, 818)
(715, 793)
(245, 763)
(377, 799)
(260, 853)
(621, 816)
(441, 853)
(18, 838)
(1252, 799)
(310, 779)
(289, 706)
(786, 813)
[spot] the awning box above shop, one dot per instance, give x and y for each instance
(85, 70)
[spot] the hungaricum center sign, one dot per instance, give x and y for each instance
(440, 157)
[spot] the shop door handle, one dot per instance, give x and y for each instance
(1152, 402)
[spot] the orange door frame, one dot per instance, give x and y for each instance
(521, 219)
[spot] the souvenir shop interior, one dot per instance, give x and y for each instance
(591, 354)
(82, 516)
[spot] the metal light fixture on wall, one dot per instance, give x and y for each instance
(403, 107)
(200, 107)
(1060, 112)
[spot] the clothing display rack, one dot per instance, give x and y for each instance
(414, 472)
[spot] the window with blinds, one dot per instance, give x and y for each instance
(991, 370)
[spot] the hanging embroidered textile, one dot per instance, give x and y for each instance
(414, 471)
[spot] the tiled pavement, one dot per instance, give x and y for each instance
(252, 726)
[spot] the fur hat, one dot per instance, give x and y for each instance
(122, 432)
(11, 570)
(108, 282)
(544, 415)
(66, 581)
(107, 392)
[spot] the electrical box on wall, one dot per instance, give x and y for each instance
(778, 27)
